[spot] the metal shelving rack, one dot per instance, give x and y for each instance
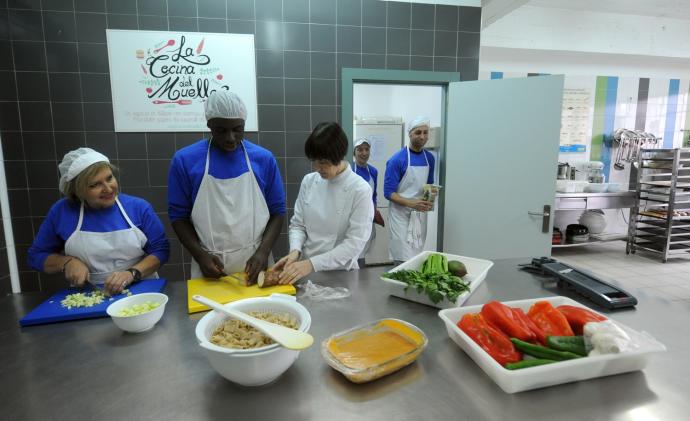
(660, 220)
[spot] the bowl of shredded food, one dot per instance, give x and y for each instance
(242, 354)
(138, 313)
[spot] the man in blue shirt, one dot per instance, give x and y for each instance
(406, 173)
(362, 150)
(225, 195)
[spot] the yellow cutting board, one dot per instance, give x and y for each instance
(228, 289)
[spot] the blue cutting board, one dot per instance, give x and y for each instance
(51, 311)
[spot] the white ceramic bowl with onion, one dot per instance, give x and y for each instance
(139, 322)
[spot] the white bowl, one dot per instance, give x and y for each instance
(141, 322)
(257, 366)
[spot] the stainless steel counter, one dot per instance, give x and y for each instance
(91, 370)
(624, 199)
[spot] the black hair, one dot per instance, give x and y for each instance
(327, 141)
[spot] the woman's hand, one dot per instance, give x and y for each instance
(296, 271)
(420, 205)
(117, 282)
(211, 266)
(286, 260)
(255, 264)
(76, 272)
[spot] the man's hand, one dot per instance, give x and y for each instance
(255, 264)
(211, 266)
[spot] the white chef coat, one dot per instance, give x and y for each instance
(332, 220)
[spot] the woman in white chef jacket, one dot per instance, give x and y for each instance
(333, 212)
(95, 234)
(403, 185)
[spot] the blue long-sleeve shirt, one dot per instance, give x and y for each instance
(63, 217)
(397, 166)
(187, 171)
(362, 172)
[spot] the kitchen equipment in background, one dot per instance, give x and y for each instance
(556, 237)
(594, 220)
(563, 171)
(51, 311)
(576, 233)
(595, 173)
(629, 144)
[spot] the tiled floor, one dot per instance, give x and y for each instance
(641, 271)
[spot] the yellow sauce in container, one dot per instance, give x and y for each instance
(374, 350)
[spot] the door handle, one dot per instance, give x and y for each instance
(546, 217)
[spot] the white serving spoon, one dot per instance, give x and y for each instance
(289, 338)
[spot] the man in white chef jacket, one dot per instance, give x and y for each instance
(406, 173)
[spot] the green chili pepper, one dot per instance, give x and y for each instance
(543, 352)
(528, 363)
(574, 344)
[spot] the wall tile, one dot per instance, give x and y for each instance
(59, 26)
(268, 9)
(122, 22)
(186, 7)
(28, 281)
(421, 63)
(5, 51)
(241, 26)
(160, 145)
(322, 37)
(374, 13)
(445, 43)
(93, 58)
(374, 40)
(297, 168)
(446, 18)
(210, 9)
(19, 202)
(95, 87)
(322, 92)
(396, 62)
(274, 142)
(122, 6)
(155, 23)
(296, 36)
(23, 4)
(9, 116)
(32, 86)
(105, 143)
(131, 146)
(65, 87)
(353, 61)
(39, 146)
(297, 92)
(62, 57)
(444, 64)
(42, 174)
(349, 12)
(322, 11)
(468, 45)
(321, 113)
(269, 35)
(89, 6)
(25, 25)
(240, 9)
(398, 41)
(269, 63)
(323, 65)
(294, 145)
(297, 64)
(218, 26)
(69, 141)
(23, 232)
(296, 10)
(422, 43)
(398, 15)
(43, 199)
(63, 5)
(186, 24)
(423, 16)
(15, 172)
(270, 90)
(67, 116)
(153, 7)
(468, 68)
(99, 117)
(35, 116)
(470, 19)
(349, 39)
(297, 118)
(373, 61)
(12, 146)
(272, 117)
(134, 173)
(90, 27)
(28, 55)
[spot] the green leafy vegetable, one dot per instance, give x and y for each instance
(437, 286)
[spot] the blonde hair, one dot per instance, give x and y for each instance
(76, 189)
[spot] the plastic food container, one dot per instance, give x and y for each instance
(476, 273)
(373, 350)
(512, 381)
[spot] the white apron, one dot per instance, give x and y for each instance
(229, 217)
(107, 252)
(411, 187)
(373, 227)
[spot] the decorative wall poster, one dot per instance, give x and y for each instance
(160, 80)
(575, 120)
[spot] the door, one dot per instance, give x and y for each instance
(386, 139)
(501, 154)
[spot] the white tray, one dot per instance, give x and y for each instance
(476, 272)
(512, 381)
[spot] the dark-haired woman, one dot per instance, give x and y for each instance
(333, 212)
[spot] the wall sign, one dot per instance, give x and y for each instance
(160, 79)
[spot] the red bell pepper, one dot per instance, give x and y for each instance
(578, 316)
(550, 320)
(538, 333)
(502, 317)
(496, 343)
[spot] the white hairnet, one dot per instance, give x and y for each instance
(225, 104)
(416, 122)
(360, 141)
(76, 161)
